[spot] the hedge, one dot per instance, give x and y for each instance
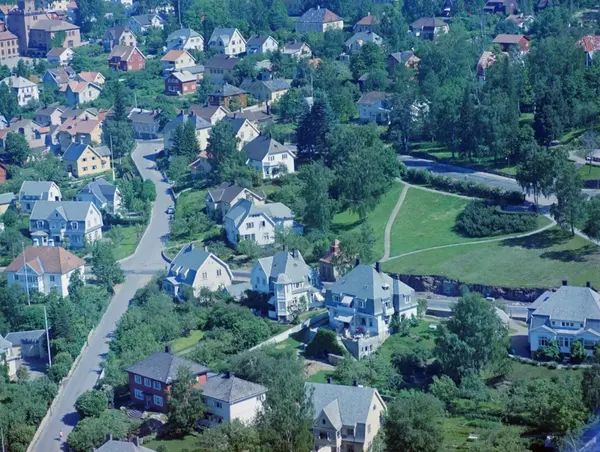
(480, 219)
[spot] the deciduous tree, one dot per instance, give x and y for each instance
(569, 209)
(185, 404)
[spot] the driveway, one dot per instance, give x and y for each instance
(139, 269)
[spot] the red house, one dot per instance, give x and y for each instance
(3, 173)
(180, 83)
(150, 379)
(126, 58)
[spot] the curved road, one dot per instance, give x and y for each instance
(139, 268)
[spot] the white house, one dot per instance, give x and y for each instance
(249, 221)
(228, 398)
(202, 130)
(219, 200)
(375, 107)
(81, 92)
(319, 20)
(44, 269)
(60, 56)
(103, 194)
(244, 130)
(297, 49)
(210, 113)
(269, 157)
(361, 305)
(288, 279)
(185, 39)
(227, 41)
(197, 269)
(22, 88)
(261, 44)
(566, 315)
(32, 191)
(360, 38)
(142, 23)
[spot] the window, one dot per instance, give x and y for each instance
(249, 225)
(218, 404)
(83, 169)
(52, 278)
(350, 432)
(84, 159)
(324, 422)
(138, 394)
(323, 435)
(266, 236)
(204, 276)
(147, 382)
(158, 400)
(218, 272)
(263, 224)
(156, 385)
(271, 158)
(362, 304)
(284, 156)
(94, 167)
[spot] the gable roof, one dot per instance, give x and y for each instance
(569, 303)
(124, 52)
(428, 22)
(101, 188)
(146, 19)
(16, 81)
(53, 25)
(238, 122)
(6, 198)
(294, 46)
(366, 283)
(259, 40)
(185, 33)
(172, 55)
(364, 36)
(221, 61)
(76, 149)
(231, 389)
(369, 19)
(373, 97)
(122, 446)
(509, 39)
(319, 15)
(244, 207)
(25, 337)
(69, 210)
(227, 90)
(46, 259)
(590, 43)
(139, 115)
(277, 84)
(262, 146)
(225, 34)
(181, 118)
(90, 76)
(289, 263)
(57, 52)
(183, 76)
(36, 188)
(115, 33)
(60, 74)
(207, 112)
(4, 344)
(228, 191)
(79, 87)
(164, 367)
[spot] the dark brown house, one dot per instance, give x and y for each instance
(225, 94)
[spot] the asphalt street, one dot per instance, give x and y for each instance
(513, 309)
(139, 269)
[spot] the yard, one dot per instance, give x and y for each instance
(180, 344)
(128, 242)
(377, 219)
(187, 443)
(541, 260)
(586, 174)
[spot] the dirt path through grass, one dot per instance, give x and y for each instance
(390, 223)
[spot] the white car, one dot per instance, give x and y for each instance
(171, 210)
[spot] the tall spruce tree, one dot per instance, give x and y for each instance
(314, 127)
(118, 132)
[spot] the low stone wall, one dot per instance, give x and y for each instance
(452, 288)
(318, 319)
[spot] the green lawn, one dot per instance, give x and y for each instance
(398, 342)
(289, 344)
(427, 219)
(522, 371)
(320, 376)
(128, 244)
(348, 221)
(192, 197)
(187, 443)
(182, 343)
(586, 174)
(541, 260)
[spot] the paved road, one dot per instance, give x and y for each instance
(514, 309)
(139, 268)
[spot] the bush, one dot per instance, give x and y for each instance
(91, 403)
(551, 352)
(60, 367)
(324, 342)
(578, 352)
(479, 219)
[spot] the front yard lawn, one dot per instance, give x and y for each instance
(182, 343)
(540, 260)
(320, 376)
(586, 174)
(128, 243)
(187, 443)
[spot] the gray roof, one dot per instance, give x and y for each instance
(284, 262)
(76, 149)
(188, 261)
(122, 446)
(244, 207)
(25, 337)
(365, 36)
(293, 46)
(140, 116)
(181, 118)
(228, 90)
(146, 19)
(348, 405)
(373, 97)
(16, 81)
(231, 389)
(236, 122)
(427, 22)
(164, 367)
(318, 15)
(366, 283)
(35, 188)
(207, 112)
(569, 303)
(6, 198)
(4, 344)
(69, 210)
(227, 192)
(184, 33)
(103, 190)
(262, 146)
(220, 61)
(224, 33)
(402, 57)
(258, 40)
(278, 84)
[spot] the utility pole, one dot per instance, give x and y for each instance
(179, 11)
(112, 159)
(26, 277)
(47, 336)
(2, 435)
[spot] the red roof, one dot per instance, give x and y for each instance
(590, 43)
(367, 20)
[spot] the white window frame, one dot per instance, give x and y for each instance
(156, 385)
(137, 379)
(138, 394)
(158, 400)
(147, 382)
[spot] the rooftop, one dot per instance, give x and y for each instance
(230, 389)
(227, 192)
(164, 367)
(373, 97)
(290, 263)
(319, 15)
(262, 146)
(508, 39)
(46, 259)
(69, 210)
(569, 303)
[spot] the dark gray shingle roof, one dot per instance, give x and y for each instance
(231, 389)
(122, 446)
(103, 190)
(569, 303)
(164, 367)
(25, 337)
(262, 146)
(69, 210)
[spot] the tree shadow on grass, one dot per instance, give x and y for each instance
(545, 239)
(345, 227)
(576, 255)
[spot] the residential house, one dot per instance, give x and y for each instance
(429, 27)
(268, 90)
(81, 92)
(501, 6)
(126, 58)
(521, 20)
(244, 130)
(210, 113)
(84, 131)
(112, 445)
(318, 20)
(257, 222)
(49, 116)
(256, 116)
(143, 23)
(228, 398)
(42, 35)
(227, 41)
(261, 44)
(91, 77)
(180, 83)
(9, 45)
(367, 23)
(28, 344)
(289, 281)
(590, 44)
(60, 56)
(297, 49)
(151, 379)
(8, 358)
(23, 89)
(294, 7)
(4, 10)
(346, 418)
(407, 58)
(201, 166)
(80, 114)
(218, 66)
(198, 269)
(44, 269)
(145, 123)
(361, 305)
(506, 42)
(328, 270)
(84, 160)
(118, 36)
(33, 191)
(56, 79)
(229, 95)
(202, 130)
(185, 39)
(219, 200)
(565, 315)
(71, 224)
(6, 200)
(375, 106)
(486, 61)
(360, 38)
(103, 194)
(270, 157)
(176, 60)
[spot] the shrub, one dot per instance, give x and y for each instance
(324, 342)
(60, 367)
(550, 352)
(479, 219)
(578, 352)
(91, 403)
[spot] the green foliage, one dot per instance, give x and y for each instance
(319, 206)
(481, 220)
(249, 248)
(324, 343)
(373, 371)
(444, 388)
(106, 269)
(412, 363)
(224, 157)
(473, 387)
(117, 132)
(59, 39)
(91, 403)
(290, 106)
(9, 106)
(60, 367)
(90, 433)
(137, 194)
(314, 126)
(578, 352)
(569, 209)
(234, 437)
(550, 352)
(185, 403)
(590, 387)
(592, 224)
(17, 147)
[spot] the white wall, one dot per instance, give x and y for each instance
(212, 281)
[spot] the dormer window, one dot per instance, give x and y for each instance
(324, 422)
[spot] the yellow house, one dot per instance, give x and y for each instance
(84, 160)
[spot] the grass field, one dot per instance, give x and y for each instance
(187, 443)
(320, 376)
(128, 245)
(584, 172)
(182, 343)
(541, 260)
(348, 221)
(427, 219)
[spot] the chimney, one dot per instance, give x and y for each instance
(329, 380)
(295, 253)
(588, 284)
(206, 249)
(565, 282)
(229, 374)
(355, 382)
(378, 267)
(318, 6)
(109, 437)
(136, 441)
(168, 349)
(357, 262)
